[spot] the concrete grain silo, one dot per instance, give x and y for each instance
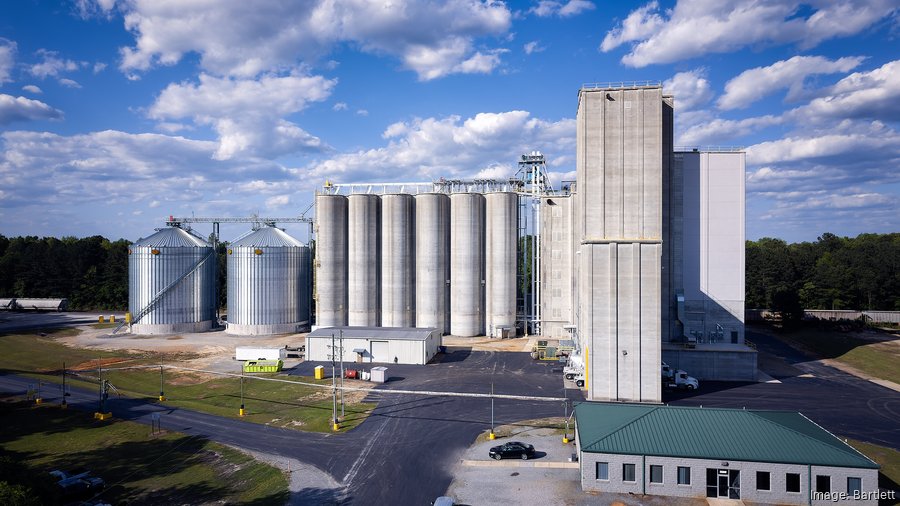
(433, 261)
(467, 264)
(364, 260)
(331, 283)
(268, 284)
(501, 218)
(171, 283)
(398, 260)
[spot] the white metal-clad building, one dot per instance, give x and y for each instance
(385, 345)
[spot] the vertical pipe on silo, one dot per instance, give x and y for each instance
(398, 256)
(500, 260)
(433, 261)
(363, 260)
(331, 260)
(467, 264)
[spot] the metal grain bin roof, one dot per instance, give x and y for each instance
(687, 432)
(267, 237)
(172, 237)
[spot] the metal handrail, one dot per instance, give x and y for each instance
(152, 304)
(620, 84)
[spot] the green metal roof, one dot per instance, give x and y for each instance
(711, 433)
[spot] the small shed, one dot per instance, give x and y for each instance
(380, 345)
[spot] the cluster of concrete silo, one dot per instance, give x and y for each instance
(425, 260)
(172, 283)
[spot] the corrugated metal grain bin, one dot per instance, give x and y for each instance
(267, 294)
(171, 283)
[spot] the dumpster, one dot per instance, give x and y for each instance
(263, 365)
(320, 372)
(379, 374)
(351, 374)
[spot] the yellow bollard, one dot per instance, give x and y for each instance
(241, 412)
(101, 319)
(492, 436)
(38, 400)
(336, 427)
(162, 398)
(565, 440)
(112, 318)
(128, 317)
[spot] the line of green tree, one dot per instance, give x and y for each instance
(91, 272)
(832, 272)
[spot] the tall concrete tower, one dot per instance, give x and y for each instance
(624, 150)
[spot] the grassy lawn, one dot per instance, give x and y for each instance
(292, 406)
(876, 359)
(887, 458)
(139, 468)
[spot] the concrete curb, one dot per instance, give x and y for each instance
(519, 463)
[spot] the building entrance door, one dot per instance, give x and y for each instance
(723, 483)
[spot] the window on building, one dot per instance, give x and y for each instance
(854, 485)
(792, 482)
(684, 475)
(763, 481)
(602, 470)
(734, 337)
(656, 474)
(712, 483)
(823, 483)
(628, 472)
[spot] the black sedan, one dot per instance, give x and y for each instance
(513, 449)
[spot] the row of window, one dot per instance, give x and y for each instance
(656, 473)
(763, 478)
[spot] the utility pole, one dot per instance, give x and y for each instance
(342, 374)
(334, 420)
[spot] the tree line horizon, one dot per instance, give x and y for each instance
(832, 272)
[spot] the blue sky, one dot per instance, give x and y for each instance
(115, 114)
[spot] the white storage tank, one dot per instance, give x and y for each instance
(331, 284)
(171, 283)
(266, 284)
(433, 261)
(364, 260)
(500, 262)
(467, 264)
(398, 256)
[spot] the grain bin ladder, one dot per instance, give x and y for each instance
(159, 297)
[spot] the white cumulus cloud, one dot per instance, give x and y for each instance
(25, 109)
(874, 95)
(30, 88)
(422, 149)
(546, 8)
(247, 114)
(694, 28)
(691, 89)
(239, 38)
(51, 65)
(754, 84)
(7, 59)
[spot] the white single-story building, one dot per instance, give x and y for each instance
(384, 345)
(772, 457)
